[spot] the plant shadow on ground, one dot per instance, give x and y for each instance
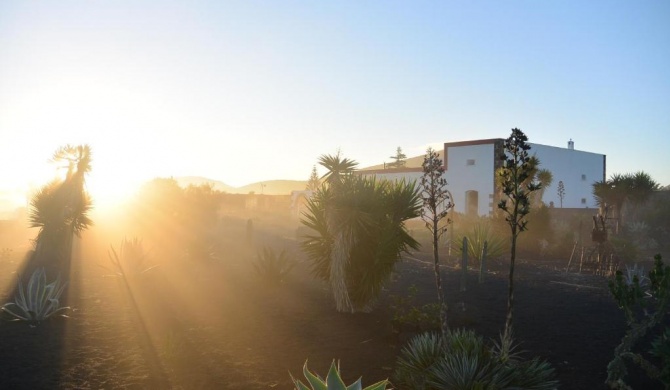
(214, 324)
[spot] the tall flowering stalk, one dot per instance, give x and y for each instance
(516, 180)
(436, 205)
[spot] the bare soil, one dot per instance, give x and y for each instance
(214, 325)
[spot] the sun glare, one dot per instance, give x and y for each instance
(110, 191)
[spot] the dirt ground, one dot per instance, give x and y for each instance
(213, 325)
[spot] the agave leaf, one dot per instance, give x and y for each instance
(21, 298)
(356, 385)
(381, 385)
(333, 379)
(58, 310)
(15, 314)
(300, 386)
(31, 290)
(37, 289)
(314, 380)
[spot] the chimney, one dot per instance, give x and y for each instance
(571, 144)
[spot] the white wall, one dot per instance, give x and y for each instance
(478, 177)
(568, 165)
(565, 164)
(390, 175)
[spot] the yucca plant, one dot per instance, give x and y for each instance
(38, 301)
(333, 381)
(272, 267)
(358, 234)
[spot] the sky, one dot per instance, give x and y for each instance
(246, 91)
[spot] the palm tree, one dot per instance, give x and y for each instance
(545, 178)
(535, 175)
(623, 189)
(60, 208)
(337, 167)
(359, 234)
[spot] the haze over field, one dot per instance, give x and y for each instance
(246, 92)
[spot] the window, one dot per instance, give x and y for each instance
(470, 162)
(583, 200)
(583, 177)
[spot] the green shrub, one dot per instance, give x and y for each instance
(333, 381)
(38, 301)
(462, 360)
(273, 268)
(407, 316)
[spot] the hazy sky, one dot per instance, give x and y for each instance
(243, 91)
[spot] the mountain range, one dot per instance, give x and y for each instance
(269, 187)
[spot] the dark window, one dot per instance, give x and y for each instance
(583, 200)
(470, 162)
(583, 177)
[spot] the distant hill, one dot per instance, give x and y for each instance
(273, 187)
(186, 181)
(269, 187)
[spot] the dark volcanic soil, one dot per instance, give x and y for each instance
(214, 325)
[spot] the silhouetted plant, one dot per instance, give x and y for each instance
(272, 267)
(620, 189)
(645, 302)
(313, 182)
(60, 208)
(561, 191)
(436, 205)
(515, 178)
(131, 260)
(398, 159)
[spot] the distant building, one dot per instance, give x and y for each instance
(470, 173)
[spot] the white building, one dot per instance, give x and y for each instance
(470, 173)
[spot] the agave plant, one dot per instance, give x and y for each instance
(482, 232)
(462, 360)
(333, 381)
(38, 301)
(131, 260)
(273, 267)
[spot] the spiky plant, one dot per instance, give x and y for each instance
(131, 260)
(462, 360)
(333, 381)
(417, 360)
(358, 235)
(60, 208)
(271, 267)
(482, 232)
(38, 301)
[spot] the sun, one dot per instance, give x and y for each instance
(109, 191)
